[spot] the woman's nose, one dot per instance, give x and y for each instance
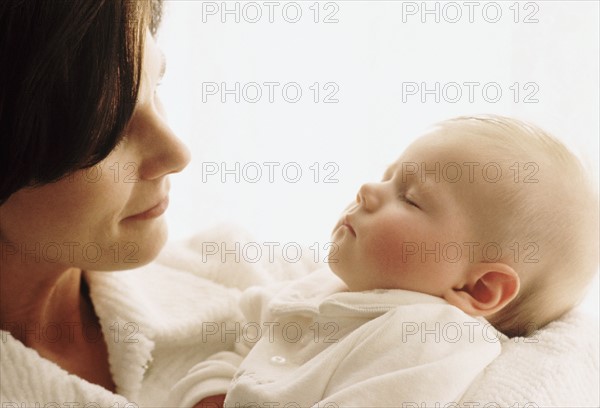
(170, 155)
(369, 196)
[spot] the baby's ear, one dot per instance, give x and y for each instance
(486, 289)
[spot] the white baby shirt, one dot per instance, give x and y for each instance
(312, 343)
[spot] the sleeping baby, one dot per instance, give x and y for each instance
(484, 229)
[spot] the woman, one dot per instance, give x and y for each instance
(85, 156)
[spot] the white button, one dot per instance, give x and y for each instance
(148, 364)
(278, 360)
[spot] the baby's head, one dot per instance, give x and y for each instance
(489, 213)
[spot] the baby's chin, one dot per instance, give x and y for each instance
(337, 271)
(333, 256)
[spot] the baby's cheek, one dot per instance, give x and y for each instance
(385, 247)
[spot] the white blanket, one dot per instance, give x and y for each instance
(556, 367)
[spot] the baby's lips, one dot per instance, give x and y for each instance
(346, 222)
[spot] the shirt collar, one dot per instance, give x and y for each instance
(322, 292)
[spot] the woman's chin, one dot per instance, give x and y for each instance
(135, 248)
(151, 243)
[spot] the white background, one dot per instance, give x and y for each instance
(550, 48)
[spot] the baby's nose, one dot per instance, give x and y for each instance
(368, 197)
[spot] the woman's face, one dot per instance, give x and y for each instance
(88, 220)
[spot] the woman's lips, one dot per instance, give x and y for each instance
(153, 212)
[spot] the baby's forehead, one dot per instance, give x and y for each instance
(432, 151)
(433, 163)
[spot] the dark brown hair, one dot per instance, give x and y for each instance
(69, 79)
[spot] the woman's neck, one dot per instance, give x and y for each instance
(48, 309)
(36, 296)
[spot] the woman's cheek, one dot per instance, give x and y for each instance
(94, 201)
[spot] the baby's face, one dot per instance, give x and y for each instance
(403, 231)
